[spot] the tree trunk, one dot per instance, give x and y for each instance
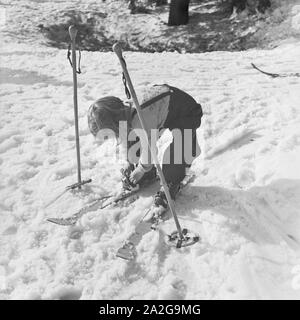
(179, 12)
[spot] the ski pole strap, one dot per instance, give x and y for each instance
(69, 58)
(127, 92)
(155, 99)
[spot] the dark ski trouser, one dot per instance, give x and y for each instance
(183, 120)
(179, 155)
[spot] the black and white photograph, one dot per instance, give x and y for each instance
(149, 150)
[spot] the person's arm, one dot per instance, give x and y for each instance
(144, 164)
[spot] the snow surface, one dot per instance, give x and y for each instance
(244, 202)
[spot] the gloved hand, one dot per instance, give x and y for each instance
(127, 169)
(137, 174)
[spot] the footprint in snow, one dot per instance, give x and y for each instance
(10, 143)
(245, 175)
(10, 230)
(172, 289)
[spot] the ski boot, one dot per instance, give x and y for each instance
(146, 179)
(127, 185)
(160, 204)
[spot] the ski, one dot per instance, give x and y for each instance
(276, 75)
(104, 202)
(128, 250)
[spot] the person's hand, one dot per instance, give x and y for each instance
(127, 169)
(137, 174)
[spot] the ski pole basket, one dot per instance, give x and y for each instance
(188, 239)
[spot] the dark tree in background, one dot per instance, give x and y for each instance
(179, 12)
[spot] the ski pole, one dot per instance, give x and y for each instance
(118, 51)
(73, 33)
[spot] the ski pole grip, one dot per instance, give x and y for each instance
(72, 32)
(118, 50)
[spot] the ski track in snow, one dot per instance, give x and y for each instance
(244, 203)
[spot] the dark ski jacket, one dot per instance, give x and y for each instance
(165, 107)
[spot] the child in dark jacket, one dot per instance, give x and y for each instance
(163, 107)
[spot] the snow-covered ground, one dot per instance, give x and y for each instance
(244, 203)
(101, 23)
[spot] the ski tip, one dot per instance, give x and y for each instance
(125, 256)
(127, 252)
(60, 222)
